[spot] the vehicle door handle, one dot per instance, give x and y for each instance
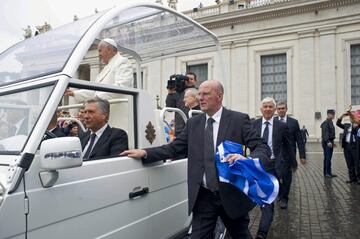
(139, 192)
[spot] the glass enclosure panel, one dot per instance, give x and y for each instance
(152, 32)
(19, 113)
(43, 54)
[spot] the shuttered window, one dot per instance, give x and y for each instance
(273, 77)
(355, 74)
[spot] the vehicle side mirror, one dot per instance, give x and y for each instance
(60, 153)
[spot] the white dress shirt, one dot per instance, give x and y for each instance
(98, 135)
(283, 119)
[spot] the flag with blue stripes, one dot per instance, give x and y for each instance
(248, 174)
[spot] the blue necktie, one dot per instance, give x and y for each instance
(266, 132)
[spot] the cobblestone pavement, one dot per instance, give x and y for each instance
(318, 207)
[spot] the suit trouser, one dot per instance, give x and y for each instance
(285, 185)
(267, 216)
(206, 211)
(352, 161)
(267, 213)
(327, 158)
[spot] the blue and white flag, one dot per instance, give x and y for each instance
(247, 174)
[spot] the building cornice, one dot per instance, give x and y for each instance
(271, 11)
(306, 33)
(327, 31)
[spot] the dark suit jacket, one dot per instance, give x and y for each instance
(112, 142)
(234, 126)
(296, 137)
(327, 131)
(58, 132)
(284, 155)
(345, 127)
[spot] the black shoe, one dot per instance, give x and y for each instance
(350, 181)
(358, 182)
(333, 175)
(283, 204)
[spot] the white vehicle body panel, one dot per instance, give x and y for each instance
(116, 197)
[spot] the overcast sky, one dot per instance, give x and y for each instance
(18, 14)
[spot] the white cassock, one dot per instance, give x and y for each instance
(117, 72)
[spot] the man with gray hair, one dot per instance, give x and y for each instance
(101, 140)
(276, 135)
(190, 99)
(117, 71)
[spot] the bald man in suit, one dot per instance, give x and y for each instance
(209, 198)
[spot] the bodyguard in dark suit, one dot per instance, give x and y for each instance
(209, 198)
(101, 140)
(349, 143)
(296, 138)
(304, 133)
(276, 134)
(327, 142)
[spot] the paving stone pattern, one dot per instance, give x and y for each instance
(318, 207)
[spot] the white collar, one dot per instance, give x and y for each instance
(112, 59)
(271, 121)
(100, 131)
(285, 118)
(216, 116)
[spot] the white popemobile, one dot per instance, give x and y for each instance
(46, 190)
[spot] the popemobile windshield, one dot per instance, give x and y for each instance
(47, 190)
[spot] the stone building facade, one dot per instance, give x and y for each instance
(306, 52)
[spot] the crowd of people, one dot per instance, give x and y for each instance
(274, 138)
(349, 142)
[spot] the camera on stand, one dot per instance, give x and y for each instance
(177, 82)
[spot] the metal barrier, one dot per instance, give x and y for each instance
(78, 106)
(170, 109)
(191, 112)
